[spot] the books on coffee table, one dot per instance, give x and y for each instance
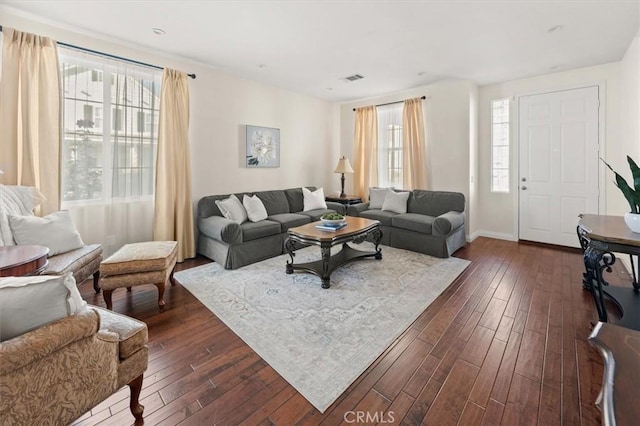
(331, 226)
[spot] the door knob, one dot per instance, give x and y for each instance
(523, 187)
(524, 179)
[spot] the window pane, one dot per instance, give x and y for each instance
(390, 145)
(500, 145)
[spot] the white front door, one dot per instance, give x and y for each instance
(558, 165)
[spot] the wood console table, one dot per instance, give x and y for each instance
(620, 348)
(601, 237)
(22, 260)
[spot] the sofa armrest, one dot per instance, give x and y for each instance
(221, 229)
(356, 209)
(448, 222)
(338, 207)
(36, 344)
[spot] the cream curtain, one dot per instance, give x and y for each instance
(414, 175)
(30, 115)
(366, 151)
(173, 212)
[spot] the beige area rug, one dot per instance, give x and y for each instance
(319, 340)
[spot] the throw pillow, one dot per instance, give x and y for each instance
(313, 200)
(55, 231)
(27, 303)
(395, 201)
(255, 208)
(376, 197)
(232, 209)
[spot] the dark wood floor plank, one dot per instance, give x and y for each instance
(450, 401)
(517, 318)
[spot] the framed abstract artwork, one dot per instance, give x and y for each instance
(263, 147)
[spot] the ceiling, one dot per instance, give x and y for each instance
(311, 46)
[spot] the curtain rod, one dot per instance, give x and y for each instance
(391, 103)
(108, 55)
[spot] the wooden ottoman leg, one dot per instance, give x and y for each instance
(160, 294)
(129, 289)
(171, 280)
(107, 298)
(96, 281)
(136, 409)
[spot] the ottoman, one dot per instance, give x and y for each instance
(136, 264)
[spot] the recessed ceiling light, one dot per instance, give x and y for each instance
(262, 65)
(158, 31)
(421, 73)
(556, 67)
(554, 29)
(329, 88)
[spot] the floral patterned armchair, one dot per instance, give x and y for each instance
(57, 372)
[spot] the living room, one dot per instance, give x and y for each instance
(315, 131)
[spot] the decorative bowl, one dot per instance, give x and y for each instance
(333, 221)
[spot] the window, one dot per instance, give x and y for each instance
(500, 145)
(390, 145)
(110, 127)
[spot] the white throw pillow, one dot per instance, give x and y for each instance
(395, 201)
(255, 208)
(55, 231)
(27, 303)
(232, 209)
(376, 197)
(313, 200)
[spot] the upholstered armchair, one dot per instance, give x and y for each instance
(59, 371)
(81, 260)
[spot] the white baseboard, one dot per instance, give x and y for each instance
(490, 234)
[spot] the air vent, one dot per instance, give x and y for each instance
(354, 77)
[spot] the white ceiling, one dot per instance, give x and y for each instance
(310, 46)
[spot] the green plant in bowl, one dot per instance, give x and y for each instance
(332, 218)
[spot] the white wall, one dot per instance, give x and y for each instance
(447, 122)
(220, 105)
(631, 107)
(497, 211)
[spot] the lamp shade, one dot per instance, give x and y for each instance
(343, 166)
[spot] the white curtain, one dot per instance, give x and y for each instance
(109, 149)
(30, 114)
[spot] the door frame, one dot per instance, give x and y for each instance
(602, 124)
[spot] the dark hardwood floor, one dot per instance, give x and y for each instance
(506, 343)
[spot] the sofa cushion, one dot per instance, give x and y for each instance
(290, 220)
(314, 215)
(274, 201)
(313, 200)
(383, 217)
(413, 222)
(395, 201)
(147, 256)
(232, 209)
(27, 303)
(220, 228)
(434, 203)
(295, 199)
(55, 231)
(73, 260)
(255, 230)
(255, 208)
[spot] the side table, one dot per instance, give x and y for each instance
(22, 260)
(346, 200)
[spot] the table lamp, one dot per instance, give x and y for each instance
(342, 168)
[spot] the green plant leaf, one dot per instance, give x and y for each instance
(635, 172)
(633, 198)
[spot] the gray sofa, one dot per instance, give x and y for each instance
(433, 224)
(234, 245)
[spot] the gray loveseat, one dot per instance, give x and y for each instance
(433, 224)
(234, 245)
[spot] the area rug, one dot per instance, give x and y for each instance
(321, 340)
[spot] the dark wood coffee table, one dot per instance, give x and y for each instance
(358, 230)
(22, 260)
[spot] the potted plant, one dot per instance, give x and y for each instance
(632, 219)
